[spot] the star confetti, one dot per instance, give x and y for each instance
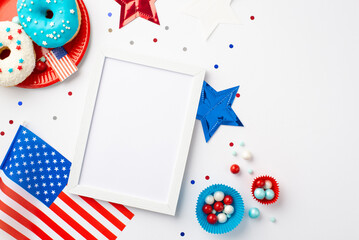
(132, 9)
(215, 109)
(211, 13)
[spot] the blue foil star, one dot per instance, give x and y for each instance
(215, 109)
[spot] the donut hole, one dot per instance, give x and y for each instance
(49, 14)
(4, 52)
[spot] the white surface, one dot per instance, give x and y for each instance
(133, 101)
(297, 66)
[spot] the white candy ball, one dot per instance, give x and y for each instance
(229, 209)
(247, 155)
(222, 218)
(214, 211)
(218, 196)
(267, 184)
(209, 199)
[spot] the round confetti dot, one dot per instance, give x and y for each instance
(167, 27)
(230, 45)
(192, 182)
(11, 121)
(132, 42)
(19, 103)
(155, 40)
(182, 234)
(250, 171)
(216, 66)
(184, 49)
(69, 93)
(231, 144)
(234, 153)
(273, 219)
(238, 95)
(2, 133)
(252, 17)
(110, 30)
(109, 14)
(241, 144)
(207, 177)
(54, 117)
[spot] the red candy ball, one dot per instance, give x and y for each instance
(228, 200)
(218, 206)
(40, 66)
(207, 209)
(235, 169)
(212, 218)
(259, 183)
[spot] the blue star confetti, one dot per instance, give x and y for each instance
(215, 109)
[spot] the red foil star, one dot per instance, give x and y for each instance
(131, 9)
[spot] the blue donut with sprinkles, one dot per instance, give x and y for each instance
(49, 23)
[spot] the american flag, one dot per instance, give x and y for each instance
(60, 62)
(33, 202)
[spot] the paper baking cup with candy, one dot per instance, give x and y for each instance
(232, 221)
(265, 189)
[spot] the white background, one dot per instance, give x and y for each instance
(297, 66)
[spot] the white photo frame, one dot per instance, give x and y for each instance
(112, 143)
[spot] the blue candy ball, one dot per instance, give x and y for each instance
(253, 213)
(269, 194)
(259, 193)
(16, 20)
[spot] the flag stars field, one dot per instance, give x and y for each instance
(36, 191)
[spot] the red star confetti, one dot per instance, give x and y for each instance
(19, 31)
(18, 47)
(132, 9)
(10, 37)
(19, 67)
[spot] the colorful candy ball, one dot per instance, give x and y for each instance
(269, 194)
(267, 184)
(212, 218)
(253, 213)
(209, 199)
(259, 193)
(222, 218)
(228, 200)
(229, 209)
(260, 183)
(247, 155)
(207, 209)
(218, 196)
(40, 66)
(235, 169)
(218, 206)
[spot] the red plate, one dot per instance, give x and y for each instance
(76, 48)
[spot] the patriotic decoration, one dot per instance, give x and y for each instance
(60, 62)
(33, 202)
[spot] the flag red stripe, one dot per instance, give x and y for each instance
(104, 212)
(68, 63)
(23, 221)
(55, 67)
(77, 208)
(34, 210)
(60, 64)
(123, 210)
(70, 221)
(12, 231)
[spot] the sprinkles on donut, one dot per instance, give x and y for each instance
(17, 55)
(49, 23)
